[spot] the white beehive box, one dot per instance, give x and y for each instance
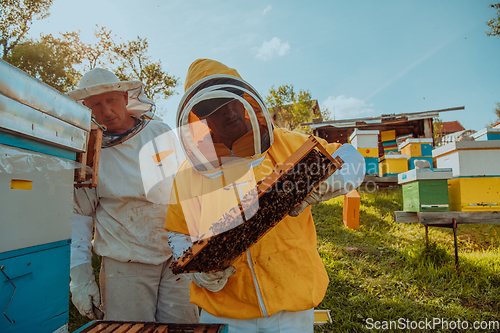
(470, 158)
(364, 138)
(487, 134)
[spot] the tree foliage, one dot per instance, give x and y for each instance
(497, 111)
(494, 23)
(91, 55)
(16, 17)
(289, 108)
(50, 60)
(61, 61)
(135, 64)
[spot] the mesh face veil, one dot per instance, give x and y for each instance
(200, 142)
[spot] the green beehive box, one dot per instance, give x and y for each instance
(425, 190)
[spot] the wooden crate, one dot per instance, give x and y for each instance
(270, 202)
(109, 326)
(425, 190)
(470, 158)
(474, 194)
(392, 165)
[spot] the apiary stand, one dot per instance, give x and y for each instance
(447, 220)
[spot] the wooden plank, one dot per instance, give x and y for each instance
(443, 218)
(136, 328)
(163, 328)
(405, 217)
(123, 328)
(111, 328)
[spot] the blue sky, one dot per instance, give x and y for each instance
(357, 58)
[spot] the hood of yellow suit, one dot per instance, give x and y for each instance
(210, 85)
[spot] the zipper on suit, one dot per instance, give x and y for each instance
(257, 289)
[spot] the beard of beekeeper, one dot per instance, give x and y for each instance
(223, 125)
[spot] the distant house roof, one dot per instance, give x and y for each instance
(450, 127)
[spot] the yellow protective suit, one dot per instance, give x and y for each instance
(283, 270)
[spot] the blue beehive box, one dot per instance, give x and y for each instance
(41, 131)
(411, 161)
(371, 166)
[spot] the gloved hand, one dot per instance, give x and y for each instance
(84, 291)
(212, 281)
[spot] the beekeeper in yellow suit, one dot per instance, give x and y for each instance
(231, 144)
(138, 160)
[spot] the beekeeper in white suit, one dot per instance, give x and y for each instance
(128, 207)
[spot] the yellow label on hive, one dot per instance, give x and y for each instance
(21, 184)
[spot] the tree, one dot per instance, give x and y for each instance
(50, 60)
(101, 53)
(289, 108)
(494, 23)
(436, 128)
(16, 17)
(497, 112)
(135, 64)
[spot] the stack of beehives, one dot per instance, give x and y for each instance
(366, 142)
(476, 175)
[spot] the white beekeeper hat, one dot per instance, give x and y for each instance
(99, 81)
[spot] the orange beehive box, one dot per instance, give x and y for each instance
(351, 210)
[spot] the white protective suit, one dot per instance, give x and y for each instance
(129, 207)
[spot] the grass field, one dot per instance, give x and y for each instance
(386, 272)
(385, 275)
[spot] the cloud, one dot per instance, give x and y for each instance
(267, 9)
(342, 107)
(274, 48)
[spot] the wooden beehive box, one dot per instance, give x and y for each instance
(392, 165)
(425, 190)
(470, 158)
(366, 142)
(474, 194)
(487, 134)
(271, 202)
(415, 147)
(149, 327)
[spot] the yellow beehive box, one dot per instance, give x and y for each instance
(392, 165)
(388, 135)
(474, 194)
(368, 152)
(416, 147)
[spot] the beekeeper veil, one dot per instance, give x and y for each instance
(210, 87)
(99, 81)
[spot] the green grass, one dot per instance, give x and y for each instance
(385, 271)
